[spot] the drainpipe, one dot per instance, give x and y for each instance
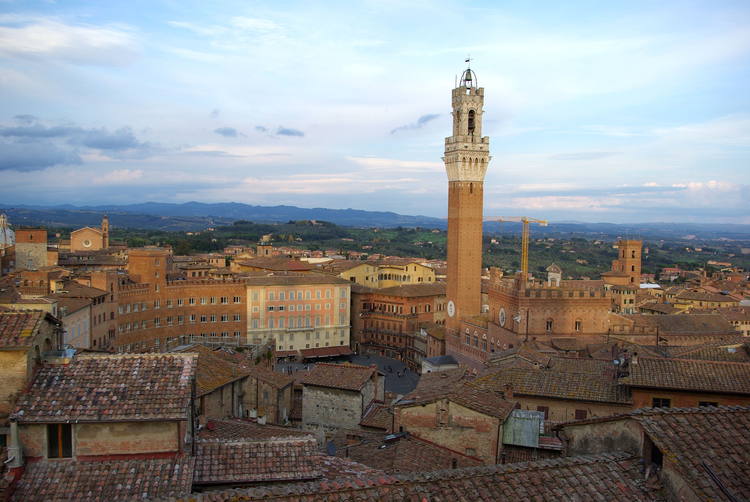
(15, 454)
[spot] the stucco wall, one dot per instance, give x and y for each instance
(106, 438)
(643, 398)
(461, 429)
(561, 410)
(620, 435)
(13, 372)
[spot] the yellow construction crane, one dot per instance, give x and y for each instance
(524, 239)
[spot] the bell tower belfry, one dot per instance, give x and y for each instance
(467, 154)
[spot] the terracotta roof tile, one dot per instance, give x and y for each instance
(339, 376)
(232, 429)
(717, 438)
(610, 477)
(243, 461)
(407, 454)
(116, 480)
(337, 468)
(17, 328)
(556, 384)
(414, 290)
(271, 377)
(690, 374)
(214, 369)
(696, 438)
(732, 351)
(378, 417)
(124, 387)
(454, 385)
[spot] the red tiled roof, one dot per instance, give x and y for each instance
(556, 384)
(696, 438)
(269, 376)
(116, 480)
(610, 477)
(452, 385)
(718, 437)
(690, 374)
(214, 369)
(407, 454)
(733, 351)
(277, 264)
(124, 387)
(414, 290)
(337, 468)
(243, 461)
(378, 417)
(237, 429)
(17, 328)
(339, 376)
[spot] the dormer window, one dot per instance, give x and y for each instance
(471, 121)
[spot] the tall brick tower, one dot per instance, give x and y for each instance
(629, 259)
(105, 232)
(467, 154)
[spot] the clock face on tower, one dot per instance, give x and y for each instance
(501, 317)
(451, 308)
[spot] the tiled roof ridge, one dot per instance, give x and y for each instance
(645, 412)
(279, 439)
(356, 484)
(694, 361)
(693, 410)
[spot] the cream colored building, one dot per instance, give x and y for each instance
(384, 274)
(298, 312)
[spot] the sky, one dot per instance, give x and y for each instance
(620, 112)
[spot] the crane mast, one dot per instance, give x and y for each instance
(524, 220)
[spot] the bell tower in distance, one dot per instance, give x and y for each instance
(467, 154)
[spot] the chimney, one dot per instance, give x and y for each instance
(508, 391)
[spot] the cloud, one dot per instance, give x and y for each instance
(261, 129)
(227, 132)
(36, 130)
(214, 113)
(287, 131)
(119, 177)
(35, 145)
(381, 164)
(582, 155)
(25, 156)
(421, 122)
(102, 139)
(25, 119)
(41, 38)
(254, 24)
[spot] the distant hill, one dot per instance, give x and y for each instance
(197, 215)
(191, 216)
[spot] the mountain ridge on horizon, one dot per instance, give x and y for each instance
(194, 215)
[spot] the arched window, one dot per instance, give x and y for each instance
(471, 121)
(578, 325)
(632, 253)
(549, 325)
